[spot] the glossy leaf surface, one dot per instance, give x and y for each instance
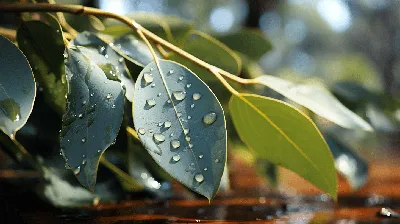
(317, 99)
(93, 116)
(17, 88)
(182, 125)
(282, 135)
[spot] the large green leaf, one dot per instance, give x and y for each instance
(44, 48)
(317, 99)
(283, 135)
(134, 49)
(211, 51)
(182, 125)
(17, 88)
(105, 56)
(93, 117)
(251, 43)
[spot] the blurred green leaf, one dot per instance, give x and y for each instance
(284, 136)
(44, 48)
(182, 125)
(93, 116)
(17, 88)
(211, 51)
(251, 43)
(317, 99)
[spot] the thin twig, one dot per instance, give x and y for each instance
(82, 10)
(9, 33)
(64, 23)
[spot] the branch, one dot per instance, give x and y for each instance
(9, 33)
(82, 10)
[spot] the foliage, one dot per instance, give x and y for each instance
(103, 83)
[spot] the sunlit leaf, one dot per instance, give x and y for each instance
(284, 136)
(93, 116)
(96, 23)
(317, 99)
(209, 50)
(182, 125)
(251, 43)
(104, 55)
(348, 163)
(134, 49)
(44, 48)
(17, 88)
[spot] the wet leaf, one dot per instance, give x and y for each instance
(209, 50)
(17, 88)
(134, 49)
(317, 99)
(182, 125)
(44, 47)
(251, 43)
(93, 116)
(284, 136)
(348, 163)
(104, 55)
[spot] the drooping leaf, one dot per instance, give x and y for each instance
(317, 99)
(182, 125)
(104, 55)
(93, 117)
(211, 51)
(348, 163)
(17, 88)
(44, 48)
(284, 136)
(251, 43)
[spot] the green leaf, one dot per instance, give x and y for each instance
(44, 48)
(211, 51)
(93, 117)
(284, 136)
(251, 43)
(17, 88)
(182, 125)
(317, 99)
(105, 56)
(134, 49)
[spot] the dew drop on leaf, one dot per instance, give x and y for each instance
(187, 138)
(151, 102)
(180, 78)
(83, 140)
(210, 118)
(109, 95)
(199, 177)
(176, 158)
(185, 131)
(216, 160)
(205, 169)
(148, 78)
(158, 138)
(196, 96)
(192, 106)
(200, 156)
(171, 72)
(175, 144)
(188, 85)
(141, 131)
(179, 95)
(190, 145)
(167, 124)
(77, 170)
(83, 161)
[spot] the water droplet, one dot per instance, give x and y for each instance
(92, 94)
(141, 131)
(185, 131)
(199, 177)
(167, 124)
(205, 169)
(188, 85)
(80, 115)
(67, 167)
(190, 145)
(148, 78)
(121, 59)
(196, 96)
(99, 151)
(189, 117)
(106, 56)
(113, 106)
(151, 69)
(151, 102)
(109, 95)
(216, 160)
(191, 164)
(102, 49)
(151, 131)
(153, 85)
(159, 94)
(160, 124)
(159, 138)
(179, 95)
(83, 161)
(171, 72)
(77, 170)
(175, 144)
(65, 55)
(172, 135)
(187, 138)
(209, 118)
(180, 78)
(168, 101)
(179, 114)
(176, 158)
(83, 156)
(83, 140)
(200, 156)
(192, 106)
